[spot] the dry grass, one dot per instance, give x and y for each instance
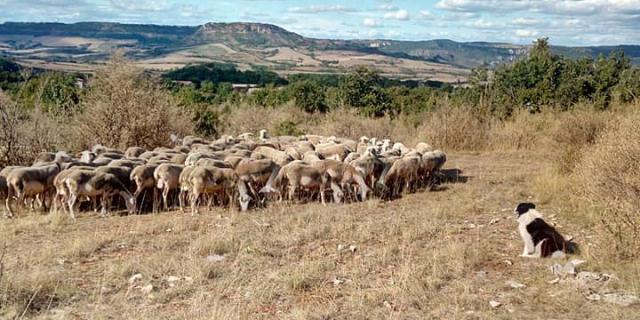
(439, 254)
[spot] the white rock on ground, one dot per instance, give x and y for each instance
(622, 299)
(515, 285)
(494, 304)
(215, 258)
(147, 289)
(135, 277)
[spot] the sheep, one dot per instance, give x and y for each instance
(3, 186)
(142, 177)
(188, 141)
(30, 181)
(81, 183)
(211, 180)
(133, 152)
(342, 175)
(336, 151)
(205, 162)
(122, 173)
(401, 175)
(185, 186)
(167, 178)
(87, 156)
(299, 174)
(129, 163)
(179, 158)
(256, 174)
(423, 147)
(279, 157)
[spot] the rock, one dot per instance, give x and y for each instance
(135, 277)
(622, 299)
(568, 269)
(340, 247)
(593, 297)
(481, 274)
(494, 304)
(494, 221)
(593, 280)
(147, 289)
(353, 248)
(508, 262)
(188, 279)
(515, 285)
(172, 280)
(554, 281)
(215, 258)
(337, 282)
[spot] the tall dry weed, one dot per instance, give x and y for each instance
(609, 173)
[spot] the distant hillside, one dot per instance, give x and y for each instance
(79, 45)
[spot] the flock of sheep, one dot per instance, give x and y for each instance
(244, 168)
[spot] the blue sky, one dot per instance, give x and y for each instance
(566, 22)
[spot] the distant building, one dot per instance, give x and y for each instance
(244, 88)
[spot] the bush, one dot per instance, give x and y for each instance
(127, 108)
(578, 130)
(610, 182)
(287, 128)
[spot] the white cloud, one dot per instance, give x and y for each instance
(522, 33)
(370, 23)
(137, 5)
(322, 8)
(426, 14)
(397, 15)
(387, 7)
(526, 21)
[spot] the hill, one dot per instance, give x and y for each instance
(80, 46)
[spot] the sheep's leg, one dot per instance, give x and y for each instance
(7, 204)
(71, 203)
(194, 203)
(324, 203)
(337, 192)
(292, 191)
(165, 196)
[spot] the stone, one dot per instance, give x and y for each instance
(147, 289)
(353, 248)
(593, 297)
(215, 258)
(515, 285)
(622, 299)
(134, 278)
(495, 304)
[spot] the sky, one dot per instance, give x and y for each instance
(565, 22)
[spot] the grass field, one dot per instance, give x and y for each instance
(444, 253)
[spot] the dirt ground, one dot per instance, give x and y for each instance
(442, 254)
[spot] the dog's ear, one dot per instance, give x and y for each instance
(523, 207)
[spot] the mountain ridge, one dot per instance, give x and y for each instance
(250, 44)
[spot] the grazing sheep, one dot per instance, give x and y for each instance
(402, 175)
(167, 178)
(82, 183)
(142, 177)
(342, 175)
(211, 180)
(299, 174)
(30, 182)
(255, 174)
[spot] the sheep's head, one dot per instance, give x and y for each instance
(244, 200)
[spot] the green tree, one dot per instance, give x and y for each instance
(362, 90)
(309, 96)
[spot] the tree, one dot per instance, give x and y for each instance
(309, 96)
(362, 90)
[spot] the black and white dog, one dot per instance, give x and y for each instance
(540, 239)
